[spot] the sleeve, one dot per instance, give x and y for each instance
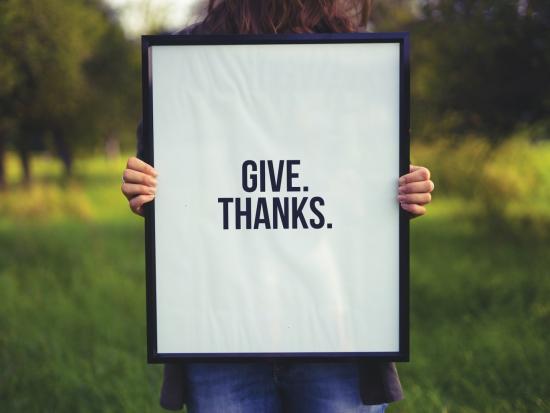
(379, 382)
(172, 394)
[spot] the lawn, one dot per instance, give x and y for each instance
(72, 305)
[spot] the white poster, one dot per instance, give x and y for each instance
(276, 221)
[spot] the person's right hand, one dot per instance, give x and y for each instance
(139, 184)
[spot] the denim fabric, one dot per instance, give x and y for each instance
(275, 387)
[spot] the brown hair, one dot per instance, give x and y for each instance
(285, 16)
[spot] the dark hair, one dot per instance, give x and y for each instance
(285, 16)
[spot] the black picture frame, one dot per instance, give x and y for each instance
(402, 39)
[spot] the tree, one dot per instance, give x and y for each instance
(59, 58)
(114, 71)
(478, 66)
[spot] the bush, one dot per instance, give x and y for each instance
(515, 185)
(46, 201)
(455, 165)
(506, 186)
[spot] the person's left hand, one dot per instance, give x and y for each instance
(415, 190)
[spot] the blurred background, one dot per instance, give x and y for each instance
(72, 295)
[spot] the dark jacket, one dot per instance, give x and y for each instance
(379, 382)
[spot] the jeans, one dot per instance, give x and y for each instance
(275, 387)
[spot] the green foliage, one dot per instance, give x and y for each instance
(479, 317)
(47, 42)
(87, 196)
(515, 188)
(72, 294)
(478, 67)
(68, 78)
(455, 166)
(505, 185)
(114, 102)
(46, 202)
(72, 319)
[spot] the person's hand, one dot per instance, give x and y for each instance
(139, 184)
(415, 190)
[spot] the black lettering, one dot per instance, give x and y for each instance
(280, 211)
(297, 212)
(253, 177)
(290, 175)
(276, 180)
(262, 214)
(247, 213)
(315, 210)
(262, 176)
(225, 202)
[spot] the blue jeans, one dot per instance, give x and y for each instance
(275, 387)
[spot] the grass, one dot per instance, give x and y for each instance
(72, 296)
(72, 305)
(480, 316)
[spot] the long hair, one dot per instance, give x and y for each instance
(285, 16)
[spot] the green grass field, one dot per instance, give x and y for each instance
(72, 305)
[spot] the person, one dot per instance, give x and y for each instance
(274, 386)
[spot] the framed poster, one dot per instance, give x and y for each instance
(276, 230)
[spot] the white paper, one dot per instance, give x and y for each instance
(333, 107)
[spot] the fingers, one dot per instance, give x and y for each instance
(418, 174)
(415, 190)
(417, 187)
(414, 209)
(137, 202)
(139, 183)
(420, 199)
(140, 166)
(134, 177)
(131, 190)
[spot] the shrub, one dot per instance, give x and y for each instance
(507, 185)
(46, 201)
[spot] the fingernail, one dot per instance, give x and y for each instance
(401, 197)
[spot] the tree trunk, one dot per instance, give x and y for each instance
(25, 156)
(65, 154)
